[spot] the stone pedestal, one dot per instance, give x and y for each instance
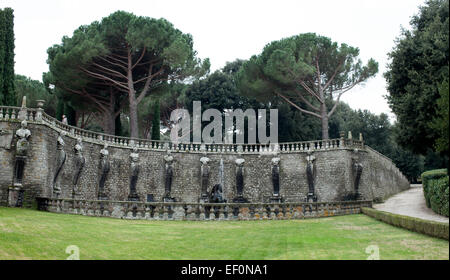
(311, 197)
(169, 199)
(276, 199)
(102, 196)
(133, 197)
(240, 199)
(204, 198)
(14, 197)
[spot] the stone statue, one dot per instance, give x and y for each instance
(79, 164)
(60, 160)
(216, 194)
(276, 176)
(21, 152)
(134, 173)
(357, 169)
(104, 169)
(168, 177)
(239, 181)
(22, 143)
(311, 174)
(204, 170)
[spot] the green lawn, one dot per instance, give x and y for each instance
(28, 234)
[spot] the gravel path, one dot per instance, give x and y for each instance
(410, 203)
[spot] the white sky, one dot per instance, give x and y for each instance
(226, 30)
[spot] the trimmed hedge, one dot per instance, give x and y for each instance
(431, 228)
(435, 190)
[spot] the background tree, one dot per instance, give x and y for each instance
(440, 123)
(156, 131)
(131, 55)
(419, 64)
(219, 91)
(307, 71)
(7, 92)
(34, 90)
(2, 52)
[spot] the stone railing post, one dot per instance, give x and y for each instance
(40, 110)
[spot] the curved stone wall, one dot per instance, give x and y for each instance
(334, 166)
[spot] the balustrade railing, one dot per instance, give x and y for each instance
(201, 211)
(8, 113)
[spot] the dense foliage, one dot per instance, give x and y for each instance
(307, 71)
(122, 59)
(7, 92)
(34, 90)
(419, 64)
(435, 189)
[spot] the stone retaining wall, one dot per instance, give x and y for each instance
(333, 166)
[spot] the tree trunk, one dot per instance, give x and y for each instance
(134, 129)
(324, 115)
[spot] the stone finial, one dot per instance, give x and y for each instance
(360, 137)
(350, 135)
(40, 103)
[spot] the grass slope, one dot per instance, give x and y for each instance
(28, 234)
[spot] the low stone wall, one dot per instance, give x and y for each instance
(201, 211)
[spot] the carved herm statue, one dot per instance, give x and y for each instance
(311, 175)
(23, 134)
(79, 164)
(15, 192)
(60, 160)
(104, 170)
(168, 176)
(134, 173)
(240, 181)
(204, 170)
(276, 176)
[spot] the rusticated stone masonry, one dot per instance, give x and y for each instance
(123, 169)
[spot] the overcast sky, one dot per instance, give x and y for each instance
(226, 30)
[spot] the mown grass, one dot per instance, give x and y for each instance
(29, 234)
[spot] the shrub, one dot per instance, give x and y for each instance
(436, 189)
(431, 228)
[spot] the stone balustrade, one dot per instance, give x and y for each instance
(32, 115)
(200, 211)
